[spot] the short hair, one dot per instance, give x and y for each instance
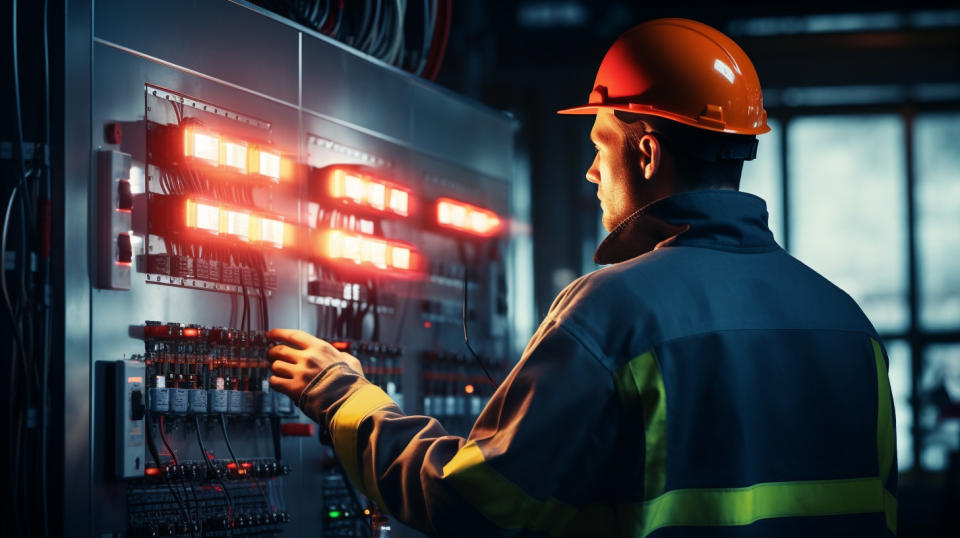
(705, 159)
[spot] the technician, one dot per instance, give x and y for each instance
(706, 383)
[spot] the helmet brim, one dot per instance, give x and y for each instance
(592, 109)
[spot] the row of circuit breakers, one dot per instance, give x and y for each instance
(197, 393)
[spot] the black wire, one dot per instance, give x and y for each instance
(152, 446)
(16, 96)
(466, 336)
(226, 437)
(277, 444)
(173, 457)
(47, 276)
(210, 467)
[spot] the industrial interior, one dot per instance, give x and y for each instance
(392, 178)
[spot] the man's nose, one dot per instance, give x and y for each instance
(593, 174)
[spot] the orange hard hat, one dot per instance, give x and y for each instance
(680, 70)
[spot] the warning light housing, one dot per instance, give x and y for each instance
(362, 189)
(367, 251)
(197, 146)
(205, 219)
(467, 218)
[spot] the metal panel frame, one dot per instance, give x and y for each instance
(254, 57)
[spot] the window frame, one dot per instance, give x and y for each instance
(916, 337)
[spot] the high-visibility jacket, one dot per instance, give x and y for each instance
(704, 384)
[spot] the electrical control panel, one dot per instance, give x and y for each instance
(266, 177)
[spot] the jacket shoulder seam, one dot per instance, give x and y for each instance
(565, 326)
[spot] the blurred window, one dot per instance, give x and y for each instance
(847, 213)
(937, 157)
(940, 415)
(900, 374)
(763, 176)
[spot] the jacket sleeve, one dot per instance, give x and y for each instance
(530, 464)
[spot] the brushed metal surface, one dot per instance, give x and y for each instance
(233, 55)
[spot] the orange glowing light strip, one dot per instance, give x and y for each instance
(366, 250)
(467, 218)
(234, 155)
(239, 223)
(201, 144)
(368, 191)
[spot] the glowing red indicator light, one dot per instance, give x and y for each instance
(235, 223)
(201, 144)
(273, 232)
(366, 250)
(233, 155)
(152, 471)
(468, 389)
(265, 163)
(203, 216)
(239, 224)
(191, 332)
(368, 191)
(467, 218)
(342, 346)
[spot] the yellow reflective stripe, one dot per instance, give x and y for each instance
(343, 430)
(743, 506)
(885, 436)
(639, 383)
(507, 506)
(890, 509)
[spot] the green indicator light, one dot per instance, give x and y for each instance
(334, 514)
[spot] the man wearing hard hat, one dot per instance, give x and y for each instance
(704, 384)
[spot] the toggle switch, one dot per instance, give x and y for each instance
(124, 249)
(137, 408)
(124, 195)
(114, 209)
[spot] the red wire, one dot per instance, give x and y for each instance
(438, 46)
(331, 21)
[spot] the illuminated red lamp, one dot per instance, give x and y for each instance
(266, 162)
(467, 218)
(153, 471)
(233, 155)
(191, 332)
(272, 231)
(342, 346)
(201, 144)
(241, 224)
(369, 192)
(366, 250)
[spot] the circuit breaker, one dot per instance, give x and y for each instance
(131, 408)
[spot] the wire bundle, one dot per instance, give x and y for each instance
(409, 35)
(181, 179)
(26, 282)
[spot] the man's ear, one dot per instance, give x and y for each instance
(649, 156)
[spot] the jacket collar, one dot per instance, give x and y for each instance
(718, 219)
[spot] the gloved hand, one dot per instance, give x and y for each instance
(302, 359)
